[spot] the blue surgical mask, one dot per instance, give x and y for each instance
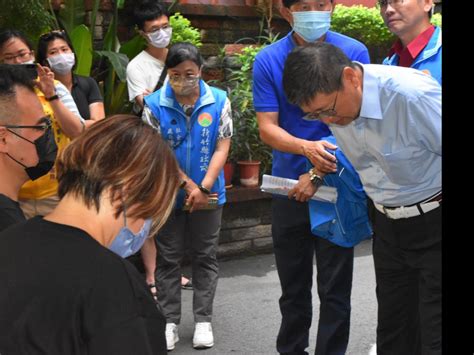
(127, 243)
(311, 25)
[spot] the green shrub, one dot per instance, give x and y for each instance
(183, 31)
(362, 23)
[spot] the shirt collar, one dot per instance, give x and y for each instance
(416, 46)
(370, 107)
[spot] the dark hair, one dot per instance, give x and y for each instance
(181, 52)
(147, 11)
(11, 76)
(288, 3)
(44, 41)
(127, 157)
(8, 34)
(312, 69)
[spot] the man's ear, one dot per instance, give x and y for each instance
(428, 5)
(286, 14)
(351, 77)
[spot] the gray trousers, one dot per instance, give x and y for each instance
(200, 232)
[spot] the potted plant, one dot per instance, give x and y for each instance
(247, 149)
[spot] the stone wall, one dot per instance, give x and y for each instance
(246, 222)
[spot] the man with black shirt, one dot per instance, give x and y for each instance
(27, 149)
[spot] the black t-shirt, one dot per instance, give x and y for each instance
(61, 292)
(10, 212)
(85, 91)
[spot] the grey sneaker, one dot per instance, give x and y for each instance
(171, 335)
(203, 337)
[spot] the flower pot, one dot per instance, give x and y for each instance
(249, 173)
(228, 174)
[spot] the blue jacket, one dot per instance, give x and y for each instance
(429, 60)
(346, 222)
(194, 141)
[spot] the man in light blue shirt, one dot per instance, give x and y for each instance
(387, 120)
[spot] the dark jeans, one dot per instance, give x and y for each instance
(407, 258)
(294, 248)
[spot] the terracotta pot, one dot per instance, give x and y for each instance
(228, 174)
(249, 173)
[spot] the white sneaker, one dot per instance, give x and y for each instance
(373, 350)
(171, 335)
(203, 337)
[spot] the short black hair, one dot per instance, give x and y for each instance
(148, 10)
(12, 75)
(313, 69)
(288, 3)
(181, 52)
(45, 39)
(9, 33)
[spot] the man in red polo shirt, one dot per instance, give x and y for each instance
(417, 328)
(419, 42)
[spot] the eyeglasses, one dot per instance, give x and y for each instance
(392, 3)
(190, 79)
(54, 33)
(319, 115)
(155, 29)
(44, 126)
(22, 56)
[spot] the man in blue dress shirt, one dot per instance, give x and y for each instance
(293, 140)
(387, 120)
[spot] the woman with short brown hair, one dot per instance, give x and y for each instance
(117, 184)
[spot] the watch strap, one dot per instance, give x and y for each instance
(52, 98)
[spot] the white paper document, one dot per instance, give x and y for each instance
(280, 186)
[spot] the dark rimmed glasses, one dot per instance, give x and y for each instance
(319, 115)
(21, 55)
(392, 3)
(44, 126)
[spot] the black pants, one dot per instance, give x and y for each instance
(407, 258)
(294, 248)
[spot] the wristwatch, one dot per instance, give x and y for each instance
(52, 98)
(204, 190)
(315, 179)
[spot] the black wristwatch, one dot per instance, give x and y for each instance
(52, 98)
(315, 179)
(204, 190)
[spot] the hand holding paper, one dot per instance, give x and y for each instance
(281, 186)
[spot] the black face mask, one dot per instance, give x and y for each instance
(46, 149)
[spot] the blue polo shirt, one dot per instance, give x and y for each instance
(269, 96)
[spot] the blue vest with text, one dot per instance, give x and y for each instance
(194, 141)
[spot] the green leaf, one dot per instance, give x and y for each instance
(133, 47)
(72, 14)
(82, 43)
(119, 62)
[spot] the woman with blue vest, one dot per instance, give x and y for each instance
(196, 121)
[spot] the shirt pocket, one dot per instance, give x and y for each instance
(401, 168)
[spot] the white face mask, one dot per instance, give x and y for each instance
(160, 38)
(62, 63)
